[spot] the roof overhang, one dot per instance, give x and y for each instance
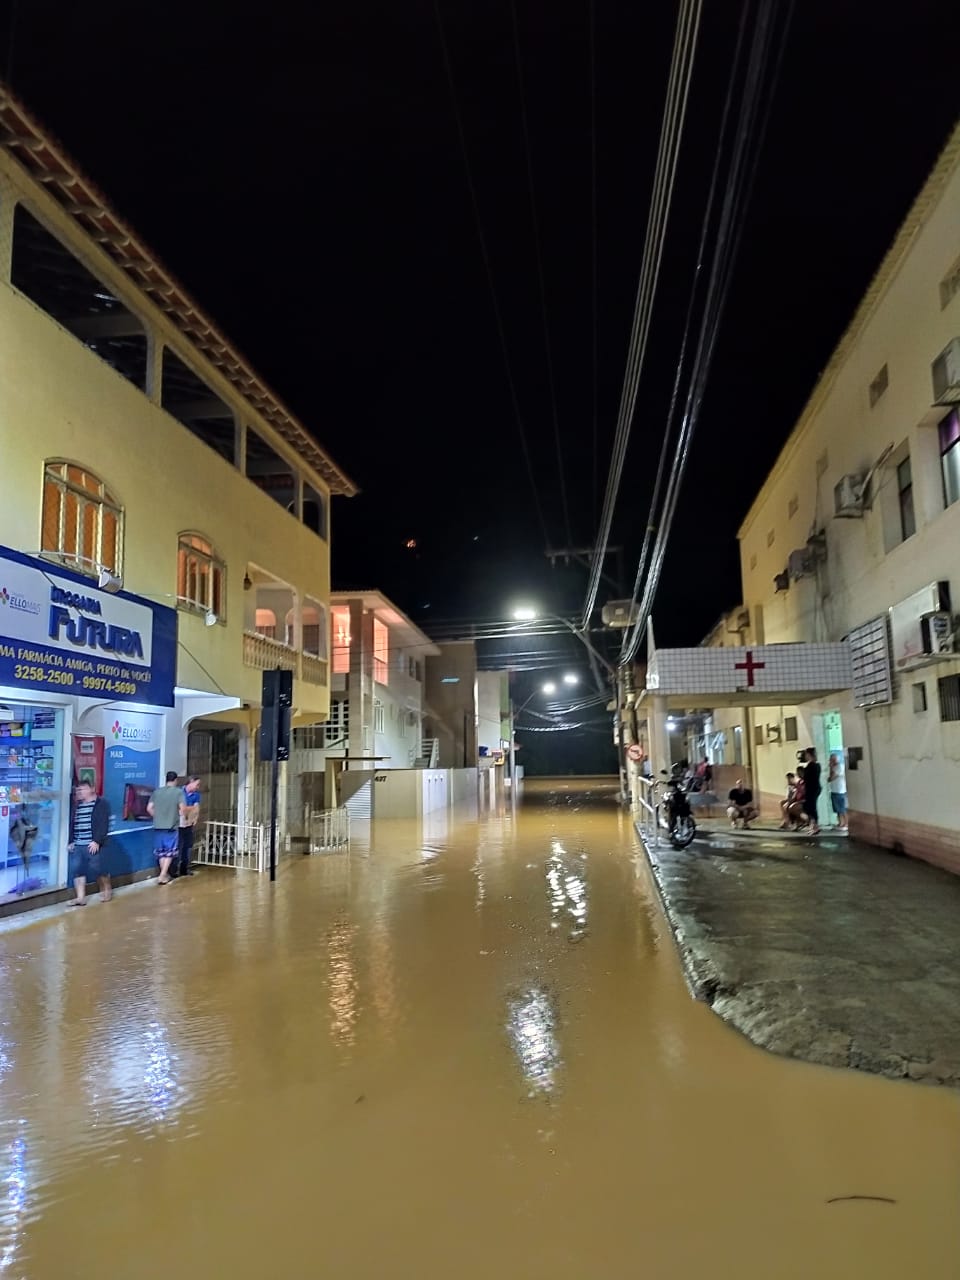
(759, 675)
(45, 160)
(384, 609)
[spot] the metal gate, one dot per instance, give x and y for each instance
(328, 829)
(227, 844)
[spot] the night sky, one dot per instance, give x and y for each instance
(300, 170)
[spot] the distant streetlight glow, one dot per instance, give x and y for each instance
(570, 678)
(549, 687)
(525, 615)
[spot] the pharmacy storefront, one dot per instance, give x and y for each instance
(86, 676)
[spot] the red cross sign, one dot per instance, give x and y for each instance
(749, 666)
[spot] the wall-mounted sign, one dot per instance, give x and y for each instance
(59, 633)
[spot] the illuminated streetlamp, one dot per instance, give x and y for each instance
(549, 687)
(571, 678)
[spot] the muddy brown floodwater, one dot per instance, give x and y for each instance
(464, 1051)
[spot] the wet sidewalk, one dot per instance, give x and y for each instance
(822, 949)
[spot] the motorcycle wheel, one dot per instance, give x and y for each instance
(683, 832)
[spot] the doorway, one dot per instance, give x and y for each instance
(827, 730)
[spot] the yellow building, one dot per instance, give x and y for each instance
(166, 522)
(854, 539)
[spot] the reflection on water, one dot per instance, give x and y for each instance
(568, 889)
(531, 1026)
(333, 1075)
(342, 982)
(15, 1197)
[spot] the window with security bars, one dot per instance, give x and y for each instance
(201, 577)
(378, 716)
(338, 726)
(81, 522)
(948, 687)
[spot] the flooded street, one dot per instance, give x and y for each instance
(465, 1052)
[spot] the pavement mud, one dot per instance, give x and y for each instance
(822, 949)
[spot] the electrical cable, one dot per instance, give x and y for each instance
(629, 642)
(488, 270)
(738, 188)
(595, 293)
(548, 350)
(743, 167)
(688, 22)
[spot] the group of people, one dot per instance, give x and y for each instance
(175, 810)
(799, 806)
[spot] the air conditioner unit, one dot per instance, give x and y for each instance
(801, 563)
(938, 633)
(848, 498)
(743, 620)
(619, 613)
(912, 638)
(946, 374)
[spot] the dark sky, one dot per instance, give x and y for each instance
(299, 169)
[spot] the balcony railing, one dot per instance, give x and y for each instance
(266, 654)
(313, 669)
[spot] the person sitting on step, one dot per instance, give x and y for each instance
(741, 808)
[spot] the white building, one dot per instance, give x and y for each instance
(378, 660)
(855, 539)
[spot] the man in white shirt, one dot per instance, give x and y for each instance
(837, 782)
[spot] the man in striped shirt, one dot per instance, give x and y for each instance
(89, 827)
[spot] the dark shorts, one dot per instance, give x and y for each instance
(89, 865)
(166, 843)
(810, 806)
(839, 801)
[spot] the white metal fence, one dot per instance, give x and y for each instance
(327, 829)
(646, 801)
(226, 844)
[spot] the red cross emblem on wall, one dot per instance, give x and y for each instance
(749, 666)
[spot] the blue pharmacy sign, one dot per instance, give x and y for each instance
(59, 633)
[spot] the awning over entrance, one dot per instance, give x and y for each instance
(763, 675)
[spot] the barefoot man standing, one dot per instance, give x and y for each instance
(166, 807)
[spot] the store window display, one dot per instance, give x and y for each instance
(30, 798)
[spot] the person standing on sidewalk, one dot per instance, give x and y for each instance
(166, 807)
(189, 817)
(811, 789)
(837, 782)
(88, 835)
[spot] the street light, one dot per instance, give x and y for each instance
(549, 687)
(571, 678)
(525, 615)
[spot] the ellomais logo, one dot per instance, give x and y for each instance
(21, 603)
(128, 733)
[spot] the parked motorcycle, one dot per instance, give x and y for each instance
(674, 811)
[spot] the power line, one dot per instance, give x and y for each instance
(488, 269)
(742, 172)
(594, 253)
(671, 131)
(548, 350)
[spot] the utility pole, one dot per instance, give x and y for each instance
(276, 700)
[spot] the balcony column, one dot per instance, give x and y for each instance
(360, 679)
(8, 201)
